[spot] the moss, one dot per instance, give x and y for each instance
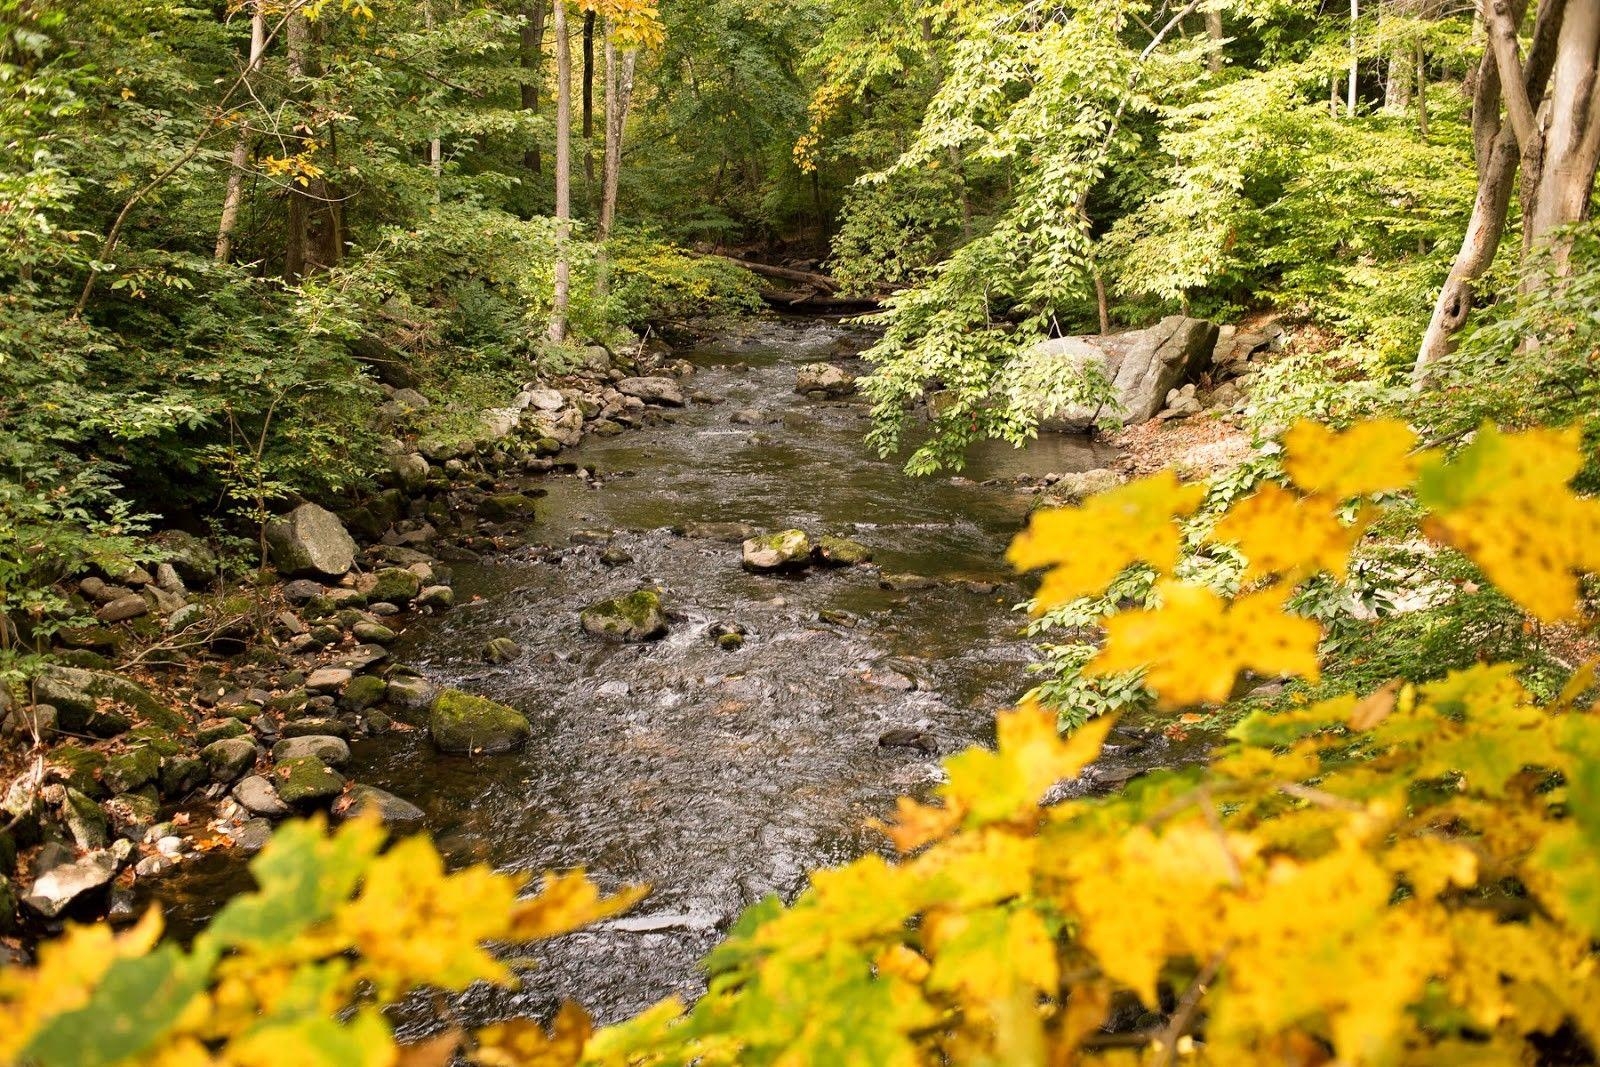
(394, 585)
(843, 552)
(219, 729)
(306, 780)
(83, 767)
(635, 617)
(127, 771)
(503, 507)
(461, 722)
(363, 692)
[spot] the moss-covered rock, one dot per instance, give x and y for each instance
(127, 771)
(85, 819)
(635, 617)
(395, 585)
(306, 780)
(363, 692)
(506, 507)
(133, 813)
(229, 758)
(83, 767)
(101, 704)
(461, 722)
(784, 550)
(218, 729)
(842, 552)
(181, 775)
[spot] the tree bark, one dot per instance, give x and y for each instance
(561, 298)
(297, 37)
(1355, 18)
(435, 146)
(588, 99)
(1214, 35)
(1422, 91)
(619, 98)
(530, 56)
(1569, 143)
(234, 197)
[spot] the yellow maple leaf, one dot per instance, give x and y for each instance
(524, 1043)
(1029, 757)
(1195, 644)
(1504, 501)
(1281, 532)
(915, 824)
(1087, 545)
(1369, 457)
(987, 955)
(565, 902)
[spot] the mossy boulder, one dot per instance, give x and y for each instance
(306, 780)
(181, 775)
(635, 617)
(86, 820)
(506, 507)
(127, 771)
(83, 767)
(461, 722)
(219, 729)
(310, 542)
(784, 550)
(101, 704)
(842, 552)
(229, 758)
(395, 585)
(133, 813)
(363, 692)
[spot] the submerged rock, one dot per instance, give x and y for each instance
(501, 650)
(635, 617)
(397, 814)
(461, 722)
(842, 552)
(784, 550)
(311, 542)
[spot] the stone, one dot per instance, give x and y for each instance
(615, 557)
(219, 729)
(362, 657)
(329, 749)
(168, 579)
(181, 775)
(190, 556)
(409, 696)
(463, 723)
(329, 679)
(1181, 408)
(253, 835)
(100, 703)
(903, 583)
(315, 726)
(310, 542)
(229, 758)
(731, 533)
(127, 771)
(363, 692)
(258, 797)
(133, 813)
(395, 585)
(435, 596)
(1078, 485)
(395, 813)
(507, 507)
(501, 650)
(306, 780)
(123, 608)
(842, 552)
(663, 391)
(827, 378)
(59, 886)
(543, 399)
(86, 821)
(748, 417)
(731, 641)
(638, 616)
(302, 590)
(1142, 366)
(185, 617)
(784, 550)
(374, 632)
(410, 470)
(907, 737)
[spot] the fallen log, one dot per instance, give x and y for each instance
(812, 300)
(788, 274)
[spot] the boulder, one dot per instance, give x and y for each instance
(461, 722)
(258, 797)
(435, 596)
(1081, 484)
(310, 541)
(230, 758)
(1142, 366)
(306, 780)
(100, 703)
(501, 650)
(826, 378)
(506, 507)
(409, 696)
(59, 886)
(842, 552)
(784, 550)
(395, 813)
(363, 692)
(330, 750)
(635, 617)
(410, 471)
(190, 556)
(329, 679)
(652, 390)
(123, 608)
(395, 585)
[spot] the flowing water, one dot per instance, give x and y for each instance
(717, 777)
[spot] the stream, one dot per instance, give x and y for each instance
(715, 776)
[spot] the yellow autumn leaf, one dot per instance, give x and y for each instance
(524, 1043)
(987, 955)
(1087, 545)
(1369, 457)
(566, 902)
(915, 824)
(1283, 533)
(1195, 644)
(1029, 757)
(1504, 501)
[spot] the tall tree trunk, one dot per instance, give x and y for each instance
(1495, 148)
(561, 298)
(1422, 91)
(1214, 35)
(619, 98)
(1569, 142)
(588, 100)
(1397, 80)
(297, 37)
(435, 146)
(530, 56)
(241, 148)
(1355, 58)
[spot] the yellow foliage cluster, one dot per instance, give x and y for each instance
(1403, 877)
(631, 23)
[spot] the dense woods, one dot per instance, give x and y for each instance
(305, 303)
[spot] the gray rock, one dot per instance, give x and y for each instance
(330, 750)
(101, 703)
(311, 541)
(395, 813)
(904, 583)
(1142, 366)
(543, 399)
(463, 723)
(395, 585)
(185, 617)
(1181, 408)
(123, 608)
(59, 886)
(410, 471)
(167, 578)
(824, 378)
(501, 650)
(259, 798)
(253, 835)
(435, 596)
(653, 390)
(229, 758)
(86, 820)
(190, 556)
(784, 550)
(728, 532)
(410, 695)
(1080, 484)
(748, 417)
(306, 780)
(302, 590)
(635, 617)
(328, 679)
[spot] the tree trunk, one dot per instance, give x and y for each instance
(1422, 91)
(588, 100)
(1355, 18)
(241, 148)
(1495, 148)
(561, 298)
(530, 56)
(297, 36)
(435, 146)
(1569, 143)
(1397, 82)
(619, 98)
(1214, 35)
